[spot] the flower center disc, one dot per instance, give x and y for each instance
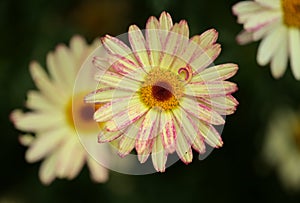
(291, 10)
(161, 89)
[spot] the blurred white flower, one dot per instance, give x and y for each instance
(282, 147)
(277, 23)
(51, 117)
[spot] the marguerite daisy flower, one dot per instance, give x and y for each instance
(160, 94)
(282, 147)
(51, 117)
(277, 23)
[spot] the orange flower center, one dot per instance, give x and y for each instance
(79, 115)
(291, 12)
(161, 89)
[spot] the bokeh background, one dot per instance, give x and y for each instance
(234, 173)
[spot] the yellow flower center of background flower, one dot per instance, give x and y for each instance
(291, 12)
(80, 115)
(161, 89)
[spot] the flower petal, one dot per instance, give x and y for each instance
(133, 110)
(47, 170)
(201, 111)
(44, 84)
(223, 105)
(176, 41)
(45, 144)
(189, 129)
(168, 132)
(244, 37)
(153, 41)
(280, 58)
(294, 43)
(98, 173)
(128, 140)
(138, 45)
(106, 94)
(210, 89)
(165, 24)
(38, 102)
(117, 81)
(210, 134)
(35, 122)
(219, 72)
(269, 45)
(183, 148)
(66, 154)
(205, 58)
(147, 131)
(159, 155)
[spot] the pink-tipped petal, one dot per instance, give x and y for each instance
(153, 41)
(138, 45)
(168, 132)
(219, 72)
(201, 111)
(205, 58)
(148, 130)
(210, 89)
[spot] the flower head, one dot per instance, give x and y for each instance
(282, 147)
(159, 93)
(51, 117)
(277, 23)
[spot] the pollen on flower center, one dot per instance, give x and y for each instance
(161, 89)
(291, 12)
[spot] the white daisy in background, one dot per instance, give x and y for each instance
(282, 147)
(277, 23)
(51, 117)
(160, 94)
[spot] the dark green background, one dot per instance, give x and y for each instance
(234, 173)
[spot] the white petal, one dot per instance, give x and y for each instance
(294, 48)
(39, 102)
(269, 45)
(45, 144)
(36, 122)
(47, 172)
(280, 58)
(244, 37)
(274, 4)
(44, 84)
(70, 150)
(98, 172)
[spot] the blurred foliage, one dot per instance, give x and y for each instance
(234, 173)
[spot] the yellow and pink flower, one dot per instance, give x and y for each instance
(162, 95)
